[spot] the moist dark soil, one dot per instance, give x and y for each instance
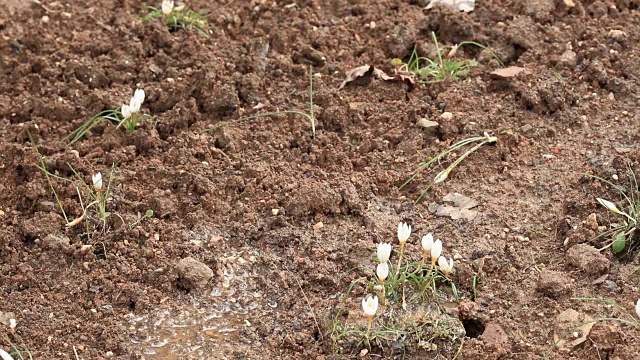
(243, 203)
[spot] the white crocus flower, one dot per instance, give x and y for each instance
(134, 105)
(382, 271)
(139, 94)
(167, 6)
(436, 251)
(384, 252)
(97, 181)
(427, 244)
(126, 111)
(614, 209)
(370, 306)
(404, 231)
(638, 308)
(609, 205)
(445, 267)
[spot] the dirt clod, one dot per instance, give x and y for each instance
(554, 284)
(192, 274)
(588, 259)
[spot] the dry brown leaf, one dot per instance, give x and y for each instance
(367, 72)
(356, 73)
(510, 72)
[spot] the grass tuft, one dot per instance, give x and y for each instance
(185, 19)
(442, 68)
(444, 174)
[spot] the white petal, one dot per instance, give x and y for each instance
(382, 271)
(126, 111)
(427, 242)
(638, 308)
(139, 94)
(4, 355)
(384, 252)
(134, 105)
(436, 250)
(167, 6)
(609, 205)
(97, 181)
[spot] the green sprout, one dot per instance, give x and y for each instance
(128, 117)
(180, 17)
(624, 232)
(309, 116)
(444, 174)
(147, 214)
(443, 68)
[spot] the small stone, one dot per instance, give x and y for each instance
(592, 222)
(501, 24)
(568, 58)
(554, 284)
(45, 19)
(318, 226)
(588, 259)
(446, 116)
(275, 211)
(192, 273)
(617, 35)
(427, 124)
(2, 213)
(526, 128)
(614, 177)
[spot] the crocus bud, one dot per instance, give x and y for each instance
(404, 231)
(370, 306)
(436, 251)
(427, 244)
(97, 181)
(609, 205)
(134, 105)
(445, 267)
(167, 6)
(384, 252)
(382, 271)
(442, 176)
(126, 111)
(139, 94)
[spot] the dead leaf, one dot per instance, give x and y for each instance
(356, 73)
(366, 72)
(571, 329)
(569, 3)
(461, 209)
(510, 72)
(455, 5)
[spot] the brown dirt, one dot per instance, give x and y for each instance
(213, 193)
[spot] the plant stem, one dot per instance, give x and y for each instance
(400, 258)
(369, 331)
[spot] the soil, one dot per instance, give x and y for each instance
(263, 283)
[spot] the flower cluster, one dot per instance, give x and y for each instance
(432, 250)
(134, 105)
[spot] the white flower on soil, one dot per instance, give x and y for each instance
(404, 231)
(384, 252)
(445, 267)
(167, 6)
(382, 271)
(97, 181)
(436, 251)
(370, 306)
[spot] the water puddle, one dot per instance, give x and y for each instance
(211, 324)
